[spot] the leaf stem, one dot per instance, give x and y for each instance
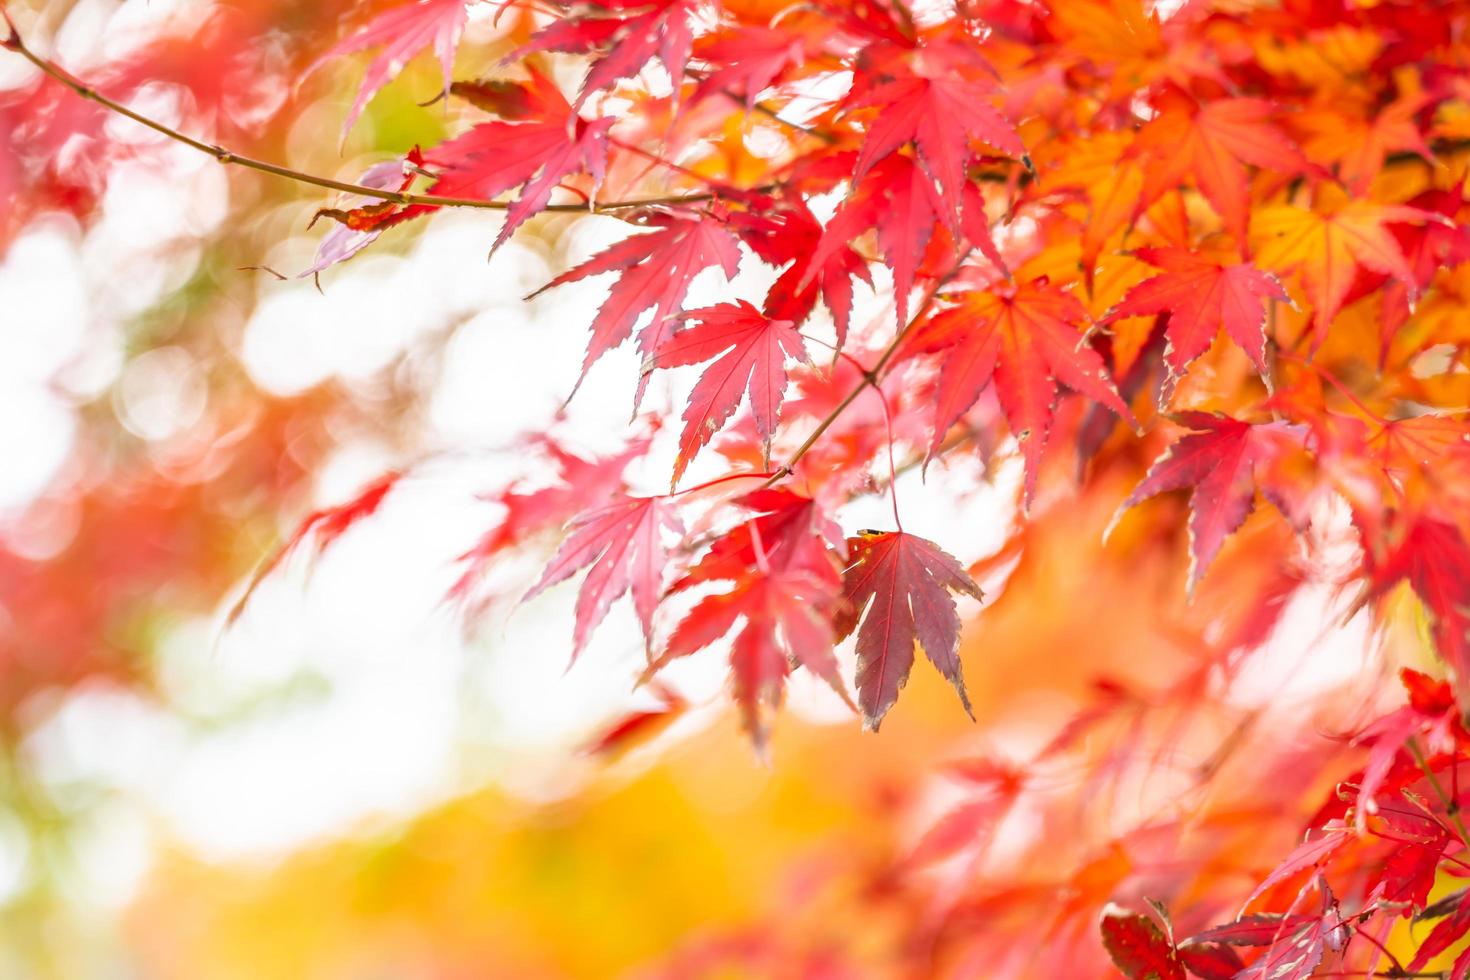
(724, 479)
(1451, 806)
(870, 377)
(15, 43)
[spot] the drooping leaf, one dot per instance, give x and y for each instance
(898, 586)
(402, 32)
(788, 620)
(624, 36)
(782, 562)
(623, 544)
(751, 351)
(535, 154)
(656, 271)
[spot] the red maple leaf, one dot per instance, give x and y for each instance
(899, 200)
(623, 542)
(790, 233)
(1138, 946)
(580, 483)
(1445, 934)
(324, 526)
(788, 619)
(752, 351)
(1224, 460)
(940, 116)
(656, 271)
(1202, 296)
(786, 529)
(401, 32)
(898, 585)
(628, 36)
(746, 61)
(783, 560)
(1213, 142)
(536, 154)
(1025, 339)
(1329, 249)
(1432, 555)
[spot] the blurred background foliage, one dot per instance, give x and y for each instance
(345, 785)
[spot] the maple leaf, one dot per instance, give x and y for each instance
(324, 526)
(751, 351)
(1211, 962)
(1445, 934)
(898, 199)
(1359, 145)
(656, 271)
(401, 32)
(1432, 555)
(1223, 461)
(580, 482)
(536, 154)
(623, 544)
(1138, 946)
(638, 728)
(939, 116)
(788, 619)
(783, 560)
(662, 29)
(1295, 944)
(1213, 142)
(791, 234)
(1250, 930)
(746, 62)
(898, 585)
(1310, 855)
(1329, 248)
(1202, 296)
(1025, 339)
(972, 824)
(784, 530)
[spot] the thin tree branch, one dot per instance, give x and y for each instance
(870, 377)
(15, 43)
(1451, 806)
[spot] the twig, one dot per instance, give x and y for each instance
(870, 377)
(1452, 807)
(225, 156)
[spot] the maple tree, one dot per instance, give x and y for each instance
(1165, 260)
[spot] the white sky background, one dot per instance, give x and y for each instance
(347, 693)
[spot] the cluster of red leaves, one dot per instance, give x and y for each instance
(1218, 212)
(1089, 195)
(1390, 837)
(1073, 202)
